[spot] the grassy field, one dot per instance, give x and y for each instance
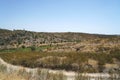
(26, 49)
(74, 61)
(69, 61)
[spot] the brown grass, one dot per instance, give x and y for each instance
(13, 76)
(69, 61)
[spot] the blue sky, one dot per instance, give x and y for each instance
(90, 16)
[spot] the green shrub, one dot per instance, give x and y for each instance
(33, 48)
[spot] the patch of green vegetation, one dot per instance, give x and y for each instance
(26, 49)
(41, 48)
(15, 50)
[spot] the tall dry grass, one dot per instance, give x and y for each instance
(10, 72)
(13, 76)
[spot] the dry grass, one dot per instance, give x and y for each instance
(75, 61)
(13, 76)
(11, 72)
(8, 72)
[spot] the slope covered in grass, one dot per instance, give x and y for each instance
(76, 61)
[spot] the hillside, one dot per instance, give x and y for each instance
(67, 51)
(65, 41)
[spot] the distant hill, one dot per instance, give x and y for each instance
(70, 40)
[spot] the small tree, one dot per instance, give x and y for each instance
(23, 46)
(33, 48)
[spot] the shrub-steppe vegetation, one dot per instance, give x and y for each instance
(79, 52)
(75, 61)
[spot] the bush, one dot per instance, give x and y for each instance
(23, 46)
(32, 48)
